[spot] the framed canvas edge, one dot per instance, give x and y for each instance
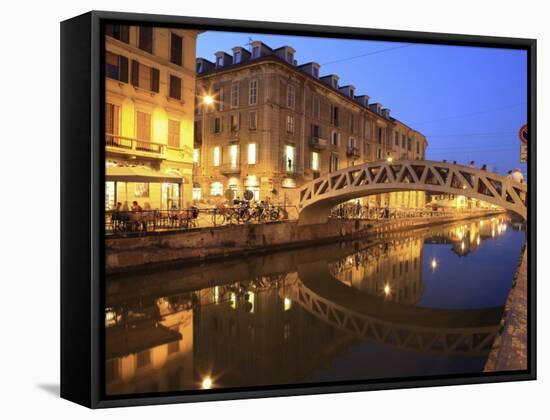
(97, 399)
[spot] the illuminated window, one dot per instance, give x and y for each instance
(216, 157)
(196, 155)
(289, 158)
(251, 153)
(233, 155)
(315, 163)
(253, 92)
(197, 194)
(216, 188)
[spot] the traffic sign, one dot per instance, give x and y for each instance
(523, 153)
(523, 134)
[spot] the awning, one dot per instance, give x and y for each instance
(140, 174)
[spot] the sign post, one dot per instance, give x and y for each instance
(523, 135)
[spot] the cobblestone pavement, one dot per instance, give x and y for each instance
(509, 350)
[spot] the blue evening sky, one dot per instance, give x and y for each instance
(469, 102)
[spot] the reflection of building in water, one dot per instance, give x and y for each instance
(149, 346)
(392, 270)
(223, 334)
(238, 329)
(454, 201)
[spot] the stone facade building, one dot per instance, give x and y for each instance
(149, 115)
(274, 125)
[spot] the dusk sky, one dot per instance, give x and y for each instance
(469, 102)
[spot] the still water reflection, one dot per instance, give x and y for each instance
(423, 302)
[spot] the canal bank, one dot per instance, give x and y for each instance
(509, 351)
(195, 245)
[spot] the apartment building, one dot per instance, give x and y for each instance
(267, 124)
(149, 115)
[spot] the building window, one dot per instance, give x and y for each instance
(315, 72)
(197, 193)
(233, 155)
(216, 188)
(417, 147)
(289, 57)
(237, 57)
(352, 123)
(334, 161)
(379, 135)
(290, 153)
(315, 161)
(141, 190)
(217, 125)
(175, 87)
(219, 61)
(315, 131)
(352, 142)
(235, 120)
(316, 107)
(409, 144)
(145, 77)
(255, 52)
(234, 95)
(252, 156)
(367, 149)
(220, 100)
(378, 153)
(196, 155)
(120, 32)
(174, 133)
(143, 127)
(116, 67)
(335, 139)
(290, 124)
(334, 115)
(253, 92)
(112, 119)
(290, 96)
(252, 120)
(367, 129)
(176, 49)
(396, 138)
(216, 156)
(403, 141)
(145, 41)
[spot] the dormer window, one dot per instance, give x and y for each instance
(289, 57)
(352, 93)
(255, 52)
(237, 57)
(199, 67)
(219, 61)
(315, 72)
(335, 83)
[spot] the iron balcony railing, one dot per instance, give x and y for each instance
(353, 152)
(318, 143)
(132, 144)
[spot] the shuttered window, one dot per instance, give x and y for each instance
(112, 119)
(174, 133)
(176, 49)
(145, 77)
(116, 67)
(143, 128)
(145, 41)
(175, 87)
(120, 32)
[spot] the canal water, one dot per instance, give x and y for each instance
(418, 303)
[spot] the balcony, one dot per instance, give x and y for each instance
(318, 143)
(134, 146)
(230, 168)
(353, 152)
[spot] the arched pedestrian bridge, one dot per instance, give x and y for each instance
(319, 196)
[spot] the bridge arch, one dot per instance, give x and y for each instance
(319, 196)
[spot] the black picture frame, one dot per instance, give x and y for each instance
(82, 195)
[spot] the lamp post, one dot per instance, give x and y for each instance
(206, 101)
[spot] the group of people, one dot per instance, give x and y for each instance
(124, 207)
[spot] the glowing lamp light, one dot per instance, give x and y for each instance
(207, 100)
(287, 304)
(387, 289)
(434, 263)
(206, 383)
(389, 159)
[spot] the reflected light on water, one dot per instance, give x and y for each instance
(434, 263)
(287, 304)
(206, 383)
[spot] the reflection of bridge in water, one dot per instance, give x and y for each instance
(314, 279)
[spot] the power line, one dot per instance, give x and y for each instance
(486, 111)
(366, 54)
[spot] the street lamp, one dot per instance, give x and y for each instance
(389, 159)
(207, 100)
